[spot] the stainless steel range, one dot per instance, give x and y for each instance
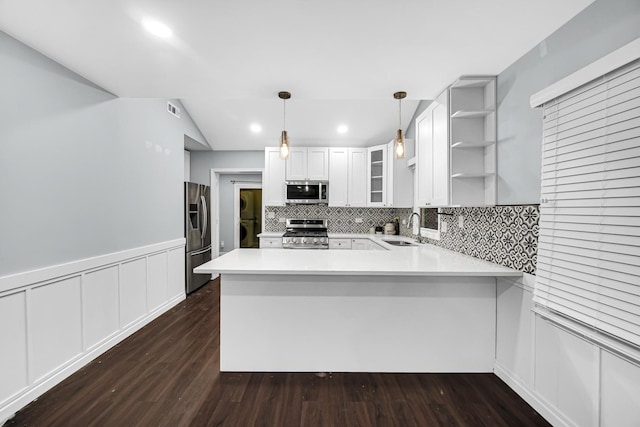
(306, 234)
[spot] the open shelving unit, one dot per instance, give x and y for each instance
(472, 127)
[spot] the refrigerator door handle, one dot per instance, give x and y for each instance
(207, 249)
(204, 217)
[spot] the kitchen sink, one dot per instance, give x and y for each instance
(399, 243)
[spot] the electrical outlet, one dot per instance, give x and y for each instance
(271, 215)
(221, 244)
(282, 220)
(460, 221)
(358, 220)
(443, 227)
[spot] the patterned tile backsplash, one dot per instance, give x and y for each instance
(341, 220)
(505, 235)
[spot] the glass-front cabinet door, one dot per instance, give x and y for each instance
(377, 176)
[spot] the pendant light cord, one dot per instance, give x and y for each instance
(284, 114)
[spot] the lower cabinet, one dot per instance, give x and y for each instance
(339, 243)
(355, 244)
(270, 242)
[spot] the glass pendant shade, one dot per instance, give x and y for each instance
(284, 138)
(284, 145)
(399, 145)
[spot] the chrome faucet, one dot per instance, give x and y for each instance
(411, 218)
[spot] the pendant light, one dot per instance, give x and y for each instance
(398, 146)
(284, 139)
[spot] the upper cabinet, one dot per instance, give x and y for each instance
(348, 177)
(389, 180)
(456, 146)
(432, 153)
(273, 179)
(307, 164)
(377, 173)
(473, 141)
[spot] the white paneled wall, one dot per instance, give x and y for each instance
(55, 320)
(566, 376)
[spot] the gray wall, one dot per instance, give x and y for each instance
(600, 29)
(82, 173)
(227, 206)
(203, 161)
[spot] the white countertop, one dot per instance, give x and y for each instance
(419, 260)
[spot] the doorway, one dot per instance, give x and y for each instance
(248, 214)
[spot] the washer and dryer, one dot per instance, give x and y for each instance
(247, 219)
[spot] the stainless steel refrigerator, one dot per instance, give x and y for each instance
(197, 232)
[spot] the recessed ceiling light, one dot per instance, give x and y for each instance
(255, 128)
(343, 129)
(156, 28)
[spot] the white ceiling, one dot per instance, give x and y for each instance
(342, 60)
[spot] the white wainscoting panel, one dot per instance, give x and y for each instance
(54, 325)
(515, 329)
(620, 397)
(100, 317)
(133, 291)
(55, 320)
(176, 274)
(13, 336)
(577, 381)
(156, 280)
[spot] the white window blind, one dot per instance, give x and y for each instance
(589, 245)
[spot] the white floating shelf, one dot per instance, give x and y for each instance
(473, 81)
(464, 114)
(472, 144)
(472, 175)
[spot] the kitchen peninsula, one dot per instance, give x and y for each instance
(405, 309)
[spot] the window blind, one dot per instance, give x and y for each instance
(589, 244)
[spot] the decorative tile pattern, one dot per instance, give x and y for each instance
(341, 219)
(505, 235)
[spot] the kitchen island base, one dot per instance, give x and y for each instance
(357, 323)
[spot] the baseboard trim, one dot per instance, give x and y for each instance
(44, 384)
(544, 408)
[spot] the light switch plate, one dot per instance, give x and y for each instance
(281, 220)
(460, 221)
(443, 227)
(358, 220)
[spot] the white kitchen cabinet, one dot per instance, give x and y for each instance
(365, 245)
(270, 242)
(390, 181)
(399, 179)
(348, 177)
(377, 170)
(274, 177)
(432, 153)
(307, 164)
(456, 146)
(339, 243)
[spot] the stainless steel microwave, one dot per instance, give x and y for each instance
(307, 192)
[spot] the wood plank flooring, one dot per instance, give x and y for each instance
(167, 374)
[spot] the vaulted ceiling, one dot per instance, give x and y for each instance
(342, 60)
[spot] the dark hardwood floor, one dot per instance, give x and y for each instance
(167, 374)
